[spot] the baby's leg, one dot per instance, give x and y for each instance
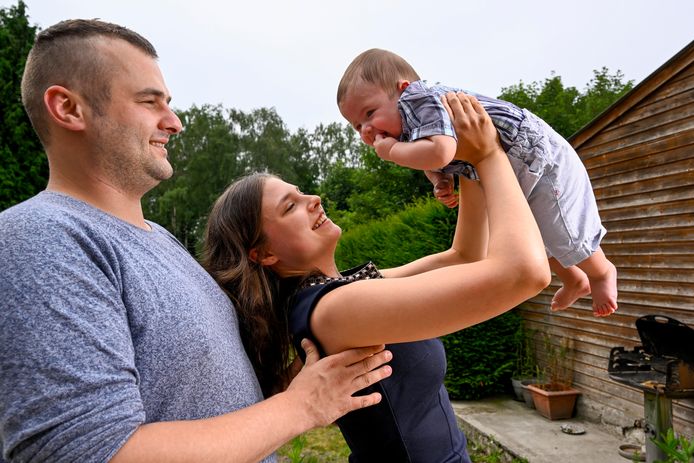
(602, 275)
(575, 284)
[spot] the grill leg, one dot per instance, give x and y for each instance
(658, 415)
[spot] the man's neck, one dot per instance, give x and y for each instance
(102, 196)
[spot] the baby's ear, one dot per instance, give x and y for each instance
(402, 85)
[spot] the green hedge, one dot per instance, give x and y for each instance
(480, 358)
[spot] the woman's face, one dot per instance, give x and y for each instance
(299, 236)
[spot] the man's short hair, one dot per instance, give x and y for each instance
(68, 54)
(382, 68)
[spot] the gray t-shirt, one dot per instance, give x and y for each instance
(103, 327)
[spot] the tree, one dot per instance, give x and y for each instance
(217, 146)
(205, 157)
(371, 190)
(565, 108)
(23, 165)
(267, 144)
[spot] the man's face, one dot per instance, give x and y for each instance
(372, 111)
(129, 137)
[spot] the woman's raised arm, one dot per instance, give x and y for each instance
(447, 299)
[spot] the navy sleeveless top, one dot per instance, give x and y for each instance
(414, 422)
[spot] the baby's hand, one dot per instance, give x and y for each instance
(444, 188)
(383, 145)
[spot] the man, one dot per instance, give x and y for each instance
(114, 342)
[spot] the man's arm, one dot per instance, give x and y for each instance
(320, 393)
(427, 153)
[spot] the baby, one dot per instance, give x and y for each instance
(403, 118)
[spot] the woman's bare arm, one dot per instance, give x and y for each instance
(448, 299)
(469, 241)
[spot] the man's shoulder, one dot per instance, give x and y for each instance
(46, 214)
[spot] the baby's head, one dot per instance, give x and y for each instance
(369, 90)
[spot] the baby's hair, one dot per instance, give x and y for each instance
(379, 67)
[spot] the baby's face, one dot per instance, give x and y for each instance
(372, 111)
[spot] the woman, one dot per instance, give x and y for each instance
(272, 249)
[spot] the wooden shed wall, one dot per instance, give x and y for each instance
(641, 164)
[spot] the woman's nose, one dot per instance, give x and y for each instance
(314, 201)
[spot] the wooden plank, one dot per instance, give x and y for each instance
(656, 275)
(646, 160)
(656, 170)
(650, 208)
(594, 157)
(639, 198)
(669, 262)
(662, 234)
(680, 248)
(654, 184)
(648, 135)
(677, 228)
(580, 315)
(648, 124)
(671, 97)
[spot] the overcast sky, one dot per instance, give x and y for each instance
(290, 54)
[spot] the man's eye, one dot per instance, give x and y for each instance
(290, 206)
(369, 113)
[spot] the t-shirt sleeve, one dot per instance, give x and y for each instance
(300, 310)
(69, 383)
(424, 115)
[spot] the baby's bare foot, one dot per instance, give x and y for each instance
(570, 292)
(604, 291)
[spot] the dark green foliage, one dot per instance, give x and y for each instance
(23, 165)
(480, 358)
(677, 449)
(420, 229)
(565, 108)
(371, 190)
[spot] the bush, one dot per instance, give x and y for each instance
(480, 358)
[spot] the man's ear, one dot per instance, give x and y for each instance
(402, 85)
(64, 107)
(264, 259)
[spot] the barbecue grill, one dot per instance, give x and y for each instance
(662, 367)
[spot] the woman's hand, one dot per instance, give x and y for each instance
(477, 136)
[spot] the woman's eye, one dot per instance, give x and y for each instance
(290, 206)
(369, 113)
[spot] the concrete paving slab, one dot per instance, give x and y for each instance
(524, 433)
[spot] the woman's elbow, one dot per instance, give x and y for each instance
(536, 274)
(531, 275)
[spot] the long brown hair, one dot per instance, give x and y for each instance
(234, 227)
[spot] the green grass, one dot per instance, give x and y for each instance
(326, 445)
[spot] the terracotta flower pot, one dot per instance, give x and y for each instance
(554, 405)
